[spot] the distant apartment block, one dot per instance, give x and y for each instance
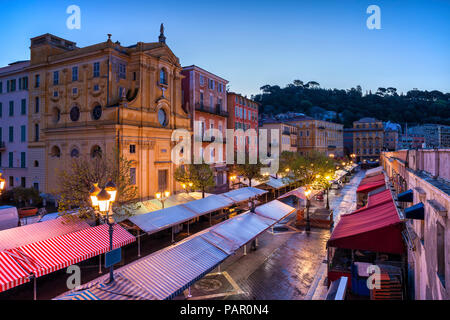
(287, 134)
(14, 125)
(410, 141)
(436, 135)
(391, 136)
(368, 137)
(318, 135)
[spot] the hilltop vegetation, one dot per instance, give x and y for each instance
(414, 107)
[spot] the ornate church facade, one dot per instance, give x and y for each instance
(102, 98)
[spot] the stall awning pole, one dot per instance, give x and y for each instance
(210, 224)
(99, 264)
(34, 289)
(139, 243)
(172, 236)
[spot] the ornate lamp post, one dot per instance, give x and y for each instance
(162, 197)
(102, 202)
(308, 223)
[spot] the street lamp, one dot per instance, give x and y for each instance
(2, 183)
(308, 224)
(162, 197)
(331, 155)
(328, 191)
(102, 201)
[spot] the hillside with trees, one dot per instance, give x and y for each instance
(414, 107)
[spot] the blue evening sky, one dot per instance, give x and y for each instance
(253, 43)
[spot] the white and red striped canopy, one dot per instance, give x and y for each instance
(43, 257)
(19, 236)
(11, 274)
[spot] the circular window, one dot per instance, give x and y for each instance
(97, 112)
(162, 117)
(74, 113)
(56, 115)
(74, 153)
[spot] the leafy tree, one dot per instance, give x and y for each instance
(21, 196)
(200, 175)
(250, 172)
(76, 181)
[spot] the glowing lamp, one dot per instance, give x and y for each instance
(111, 188)
(104, 200)
(167, 194)
(158, 195)
(93, 193)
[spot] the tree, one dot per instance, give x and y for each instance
(75, 183)
(250, 172)
(200, 175)
(21, 196)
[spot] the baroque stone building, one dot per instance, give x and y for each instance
(101, 98)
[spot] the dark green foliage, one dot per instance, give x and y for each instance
(414, 107)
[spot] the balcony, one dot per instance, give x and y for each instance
(216, 110)
(286, 132)
(2, 146)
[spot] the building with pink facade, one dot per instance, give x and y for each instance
(13, 125)
(423, 176)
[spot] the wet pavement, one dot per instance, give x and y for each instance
(287, 265)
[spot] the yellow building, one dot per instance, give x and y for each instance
(368, 137)
(287, 134)
(95, 99)
(318, 135)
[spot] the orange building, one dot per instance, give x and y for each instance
(243, 114)
(205, 98)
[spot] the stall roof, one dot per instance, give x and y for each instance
(275, 183)
(374, 171)
(275, 210)
(371, 183)
(210, 204)
(244, 194)
(299, 193)
(162, 219)
(376, 228)
(11, 273)
(46, 256)
(166, 273)
(367, 187)
(16, 237)
(237, 231)
(379, 197)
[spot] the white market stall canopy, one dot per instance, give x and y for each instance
(244, 194)
(158, 220)
(167, 272)
(374, 171)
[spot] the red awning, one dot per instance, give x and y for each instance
(19, 236)
(378, 177)
(379, 198)
(376, 228)
(370, 186)
(46, 256)
(11, 274)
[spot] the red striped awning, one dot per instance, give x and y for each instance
(43, 257)
(19, 236)
(11, 274)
